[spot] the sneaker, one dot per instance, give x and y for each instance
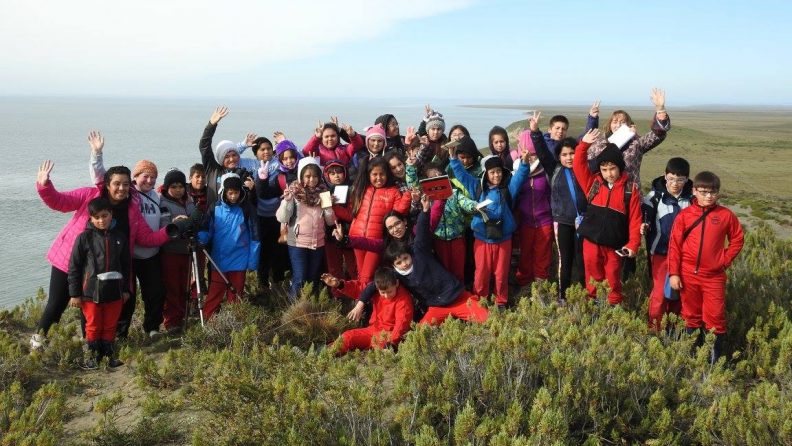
(37, 341)
(154, 334)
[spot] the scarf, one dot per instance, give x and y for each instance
(305, 195)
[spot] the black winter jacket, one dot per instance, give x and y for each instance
(98, 251)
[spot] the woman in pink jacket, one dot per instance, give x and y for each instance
(126, 216)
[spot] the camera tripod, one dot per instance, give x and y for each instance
(200, 288)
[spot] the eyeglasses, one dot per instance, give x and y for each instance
(395, 225)
(678, 180)
(707, 192)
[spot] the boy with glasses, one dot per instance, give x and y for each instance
(670, 194)
(697, 259)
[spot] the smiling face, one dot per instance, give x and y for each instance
(102, 219)
(393, 128)
(378, 177)
(118, 188)
(495, 176)
(375, 144)
(329, 138)
(617, 120)
(145, 181)
(264, 152)
(558, 130)
(675, 183)
(231, 160)
(288, 159)
(456, 134)
(395, 226)
(198, 181)
(566, 156)
(397, 168)
(403, 262)
(610, 172)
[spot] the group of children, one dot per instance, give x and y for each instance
(348, 209)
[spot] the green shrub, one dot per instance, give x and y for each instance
(38, 422)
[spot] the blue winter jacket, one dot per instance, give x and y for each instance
(233, 238)
(660, 209)
(499, 209)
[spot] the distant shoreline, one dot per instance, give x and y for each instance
(686, 108)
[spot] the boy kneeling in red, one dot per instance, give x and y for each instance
(391, 315)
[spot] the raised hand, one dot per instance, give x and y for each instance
(412, 157)
(428, 111)
(425, 203)
(330, 280)
(452, 150)
(44, 172)
(250, 138)
(318, 129)
(249, 183)
(350, 131)
(218, 114)
(338, 232)
(415, 194)
(533, 121)
(658, 99)
(594, 110)
(288, 195)
(410, 136)
(334, 120)
(96, 141)
(278, 136)
(590, 136)
(424, 140)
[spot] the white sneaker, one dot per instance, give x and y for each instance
(154, 334)
(37, 341)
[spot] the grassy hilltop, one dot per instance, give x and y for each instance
(536, 374)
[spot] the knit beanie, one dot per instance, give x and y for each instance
(222, 149)
(611, 154)
(375, 131)
(144, 166)
(435, 120)
(524, 142)
(491, 162)
(468, 147)
(174, 176)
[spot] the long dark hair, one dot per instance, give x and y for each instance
(362, 180)
(387, 238)
(117, 170)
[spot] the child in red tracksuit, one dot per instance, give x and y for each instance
(612, 224)
(697, 259)
(99, 281)
(339, 258)
(391, 315)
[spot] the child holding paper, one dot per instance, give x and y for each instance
(339, 257)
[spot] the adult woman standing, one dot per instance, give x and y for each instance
(126, 214)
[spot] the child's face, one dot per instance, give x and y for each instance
(495, 176)
(456, 134)
(145, 181)
(675, 183)
(336, 175)
(393, 128)
(610, 172)
(264, 153)
(231, 160)
(396, 226)
(329, 138)
(389, 292)
(118, 189)
(397, 168)
(558, 130)
(566, 156)
(465, 159)
(432, 173)
(617, 120)
(375, 145)
(378, 177)
(403, 262)
(310, 178)
(232, 196)
(288, 159)
(176, 190)
(498, 143)
(434, 133)
(198, 180)
(102, 219)
(705, 196)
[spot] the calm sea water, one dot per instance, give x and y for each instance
(165, 131)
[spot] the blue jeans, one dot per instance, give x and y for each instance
(305, 265)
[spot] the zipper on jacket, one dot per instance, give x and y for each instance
(107, 252)
(701, 246)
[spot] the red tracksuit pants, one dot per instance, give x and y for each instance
(535, 247)
(337, 258)
(367, 263)
(466, 307)
(492, 258)
(218, 290)
(658, 304)
(602, 263)
(101, 319)
(451, 254)
(704, 300)
(363, 339)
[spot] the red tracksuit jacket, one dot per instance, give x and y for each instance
(391, 315)
(703, 252)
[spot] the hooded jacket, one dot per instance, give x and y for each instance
(214, 170)
(374, 206)
(341, 152)
(306, 223)
(173, 208)
(564, 210)
(98, 251)
(702, 252)
(660, 209)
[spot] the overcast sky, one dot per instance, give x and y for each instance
(700, 52)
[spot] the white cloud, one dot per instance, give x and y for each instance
(66, 45)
